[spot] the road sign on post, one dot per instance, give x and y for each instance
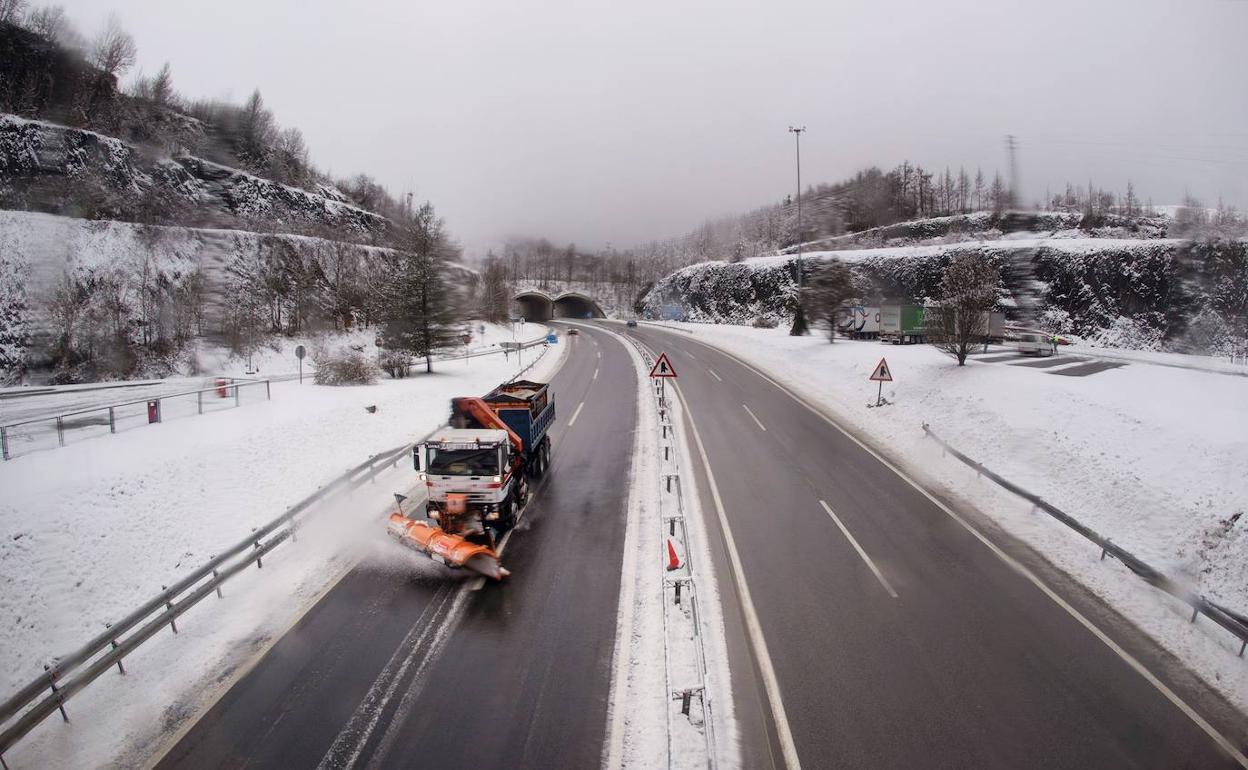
(881, 374)
(299, 354)
(662, 367)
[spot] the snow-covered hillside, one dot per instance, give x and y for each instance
(988, 225)
(54, 252)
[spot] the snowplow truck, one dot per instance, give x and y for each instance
(477, 473)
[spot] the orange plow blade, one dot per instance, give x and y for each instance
(449, 549)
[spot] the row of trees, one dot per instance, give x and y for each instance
(416, 296)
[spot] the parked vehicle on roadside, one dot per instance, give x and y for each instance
(902, 323)
(1034, 344)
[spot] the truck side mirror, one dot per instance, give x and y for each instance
(418, 457)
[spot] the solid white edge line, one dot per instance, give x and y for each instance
(576, 414)
(1018, 567)
(845, 531)
(759, 643)
(716, 376)
(757, 421)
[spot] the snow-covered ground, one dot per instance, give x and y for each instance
(90, 531)
(275, 360)
(1150, 456)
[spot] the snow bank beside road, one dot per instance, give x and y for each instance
(90, 531)
(1149, 456)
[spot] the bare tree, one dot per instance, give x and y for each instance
(831, 282)
(968, 294)
(11, 11)
(51, 22)
(113, 51)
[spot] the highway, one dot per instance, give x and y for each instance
(896, 635)
(398, 670)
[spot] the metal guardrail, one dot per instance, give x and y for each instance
(1234, 622)
(681, 580)
(69, 674)
(155, 411)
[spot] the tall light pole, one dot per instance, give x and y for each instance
(799, 317)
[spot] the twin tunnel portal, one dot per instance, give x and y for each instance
(537, 305)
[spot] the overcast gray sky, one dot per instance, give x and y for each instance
(620, 122)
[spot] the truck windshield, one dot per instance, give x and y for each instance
(463, 462)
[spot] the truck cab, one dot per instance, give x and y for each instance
(474, 468)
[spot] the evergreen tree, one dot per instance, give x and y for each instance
(420, 312)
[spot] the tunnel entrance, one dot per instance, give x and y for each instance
(576, 305)
(535, 306)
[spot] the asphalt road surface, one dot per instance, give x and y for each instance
(897, 637)
(399, 670)
(913, 644)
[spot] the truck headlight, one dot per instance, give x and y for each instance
(423, 477)
(498, 479)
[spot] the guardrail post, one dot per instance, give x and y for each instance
(60, 431)
(215, 577)
(235, 395)
(4, 442)
(112, 420)
(199, 396)
(259, 559)
(268, 391)
(1241, 648)
(158, 410)
(173, 623)
(1195, 612)
(60, 704)
(120, 667)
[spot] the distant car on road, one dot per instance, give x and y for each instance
(631, 323)
(572, 332)
(1034, 344)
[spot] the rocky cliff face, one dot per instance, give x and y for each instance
(63, 170)
(1150, 293)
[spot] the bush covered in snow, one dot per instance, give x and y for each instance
(344, 365)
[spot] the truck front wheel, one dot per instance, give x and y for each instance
(506, 515)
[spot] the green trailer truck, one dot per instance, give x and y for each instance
(901, 323)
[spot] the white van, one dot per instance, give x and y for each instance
(1034, 344)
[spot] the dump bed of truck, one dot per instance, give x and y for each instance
(525, 406)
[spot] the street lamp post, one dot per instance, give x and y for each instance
(799, 317)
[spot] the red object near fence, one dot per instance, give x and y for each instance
(222, 390)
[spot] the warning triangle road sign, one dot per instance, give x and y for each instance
(662, 367)
(881, 373)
